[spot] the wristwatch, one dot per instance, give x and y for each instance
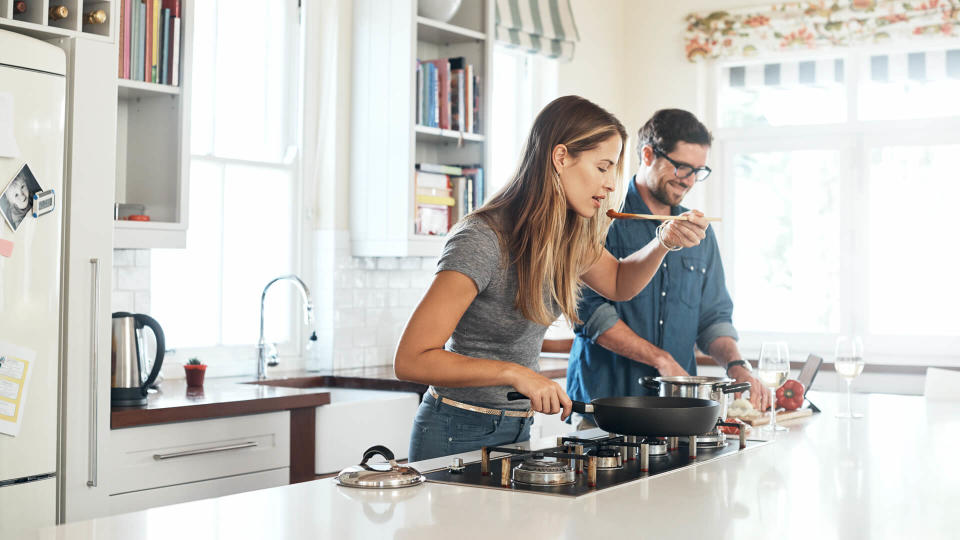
(744, 363)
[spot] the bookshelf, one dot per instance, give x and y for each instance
(386, 141)
(153, 151)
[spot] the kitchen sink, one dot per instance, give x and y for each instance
(387, 408)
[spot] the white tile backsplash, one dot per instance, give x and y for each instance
(131, 281)
(361, 303)
(372, 300)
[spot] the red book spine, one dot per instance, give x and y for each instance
(173, 6)
(148, 45)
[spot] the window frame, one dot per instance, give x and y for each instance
(860, 137)
(224, 356)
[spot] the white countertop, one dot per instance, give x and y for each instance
(825, 478)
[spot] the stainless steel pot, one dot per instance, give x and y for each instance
(715, 388)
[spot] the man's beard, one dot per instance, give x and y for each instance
(660, 193)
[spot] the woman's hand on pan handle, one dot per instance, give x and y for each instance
(546, 396)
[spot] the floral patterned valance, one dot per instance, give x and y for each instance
(812, 25)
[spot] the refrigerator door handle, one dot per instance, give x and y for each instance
(94, 350)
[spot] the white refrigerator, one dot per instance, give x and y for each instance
(32, 111)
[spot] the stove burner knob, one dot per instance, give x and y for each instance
(457, 466)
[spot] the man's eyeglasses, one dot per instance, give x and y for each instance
(682, 170)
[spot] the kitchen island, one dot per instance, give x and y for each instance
(891, 474)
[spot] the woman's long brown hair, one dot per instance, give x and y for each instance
(550, 244)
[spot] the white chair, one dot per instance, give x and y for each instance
(942, 384)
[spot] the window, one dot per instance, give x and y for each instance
(522, 85)
(243, 182)
(832, 170)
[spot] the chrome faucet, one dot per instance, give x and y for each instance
(307, 317)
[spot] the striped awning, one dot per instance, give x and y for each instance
(537, 26)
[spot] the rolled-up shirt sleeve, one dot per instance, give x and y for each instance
(596, 313)
(716, 307)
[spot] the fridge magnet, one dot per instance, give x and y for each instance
(16, 201)
(43, 203)
(15, 374)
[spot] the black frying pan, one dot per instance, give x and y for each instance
(649, 415)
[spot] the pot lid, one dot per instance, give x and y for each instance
(381, 475)
(695, 379)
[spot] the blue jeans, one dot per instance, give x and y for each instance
(442, 430)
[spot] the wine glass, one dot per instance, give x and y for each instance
(848, 361)
(773, 369)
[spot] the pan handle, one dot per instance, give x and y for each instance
(578, 406)
(731, 388)
(649, 382)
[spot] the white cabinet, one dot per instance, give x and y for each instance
(88, 267)
(152, 498)
(152, 459)
(358, 419)
(153, 153)
(386, 143)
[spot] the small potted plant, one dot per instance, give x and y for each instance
(194, 370)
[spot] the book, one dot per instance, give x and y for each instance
(475, 173)
(147, 58)
(164, 45)
(155, 46)
(442, 93)
(477, 124)
(433, 181)
(468, 102)
(419, 94)
(432, 219)
(462, 196)
(175, 62)
(458, 110)
(120, 55)
(440, 169)
(141, 38)
(172, 48)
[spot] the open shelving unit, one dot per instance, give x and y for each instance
(153, 153)
(386, 142)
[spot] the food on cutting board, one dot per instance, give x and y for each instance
(790, 395)
(741, 408)
(729, 430)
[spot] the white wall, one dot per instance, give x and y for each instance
(631, 60)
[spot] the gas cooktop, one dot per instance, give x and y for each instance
(580, 466)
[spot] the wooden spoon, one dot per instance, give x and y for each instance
(621, 215)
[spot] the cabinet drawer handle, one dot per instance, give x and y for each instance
(185, 453)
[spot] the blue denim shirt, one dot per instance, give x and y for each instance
(686, 302)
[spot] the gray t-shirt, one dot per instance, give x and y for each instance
(491, 327)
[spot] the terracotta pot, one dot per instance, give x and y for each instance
(194, 374)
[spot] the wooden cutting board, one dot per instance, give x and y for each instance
(782, 416)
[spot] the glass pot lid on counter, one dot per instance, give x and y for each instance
(379, 475)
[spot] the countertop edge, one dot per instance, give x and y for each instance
(133, 417)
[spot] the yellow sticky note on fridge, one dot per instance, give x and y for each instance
(14, 381)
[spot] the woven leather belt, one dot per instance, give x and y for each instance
(481, 410)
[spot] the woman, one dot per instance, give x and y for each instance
(509, 269)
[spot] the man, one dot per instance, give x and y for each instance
(685, 303)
